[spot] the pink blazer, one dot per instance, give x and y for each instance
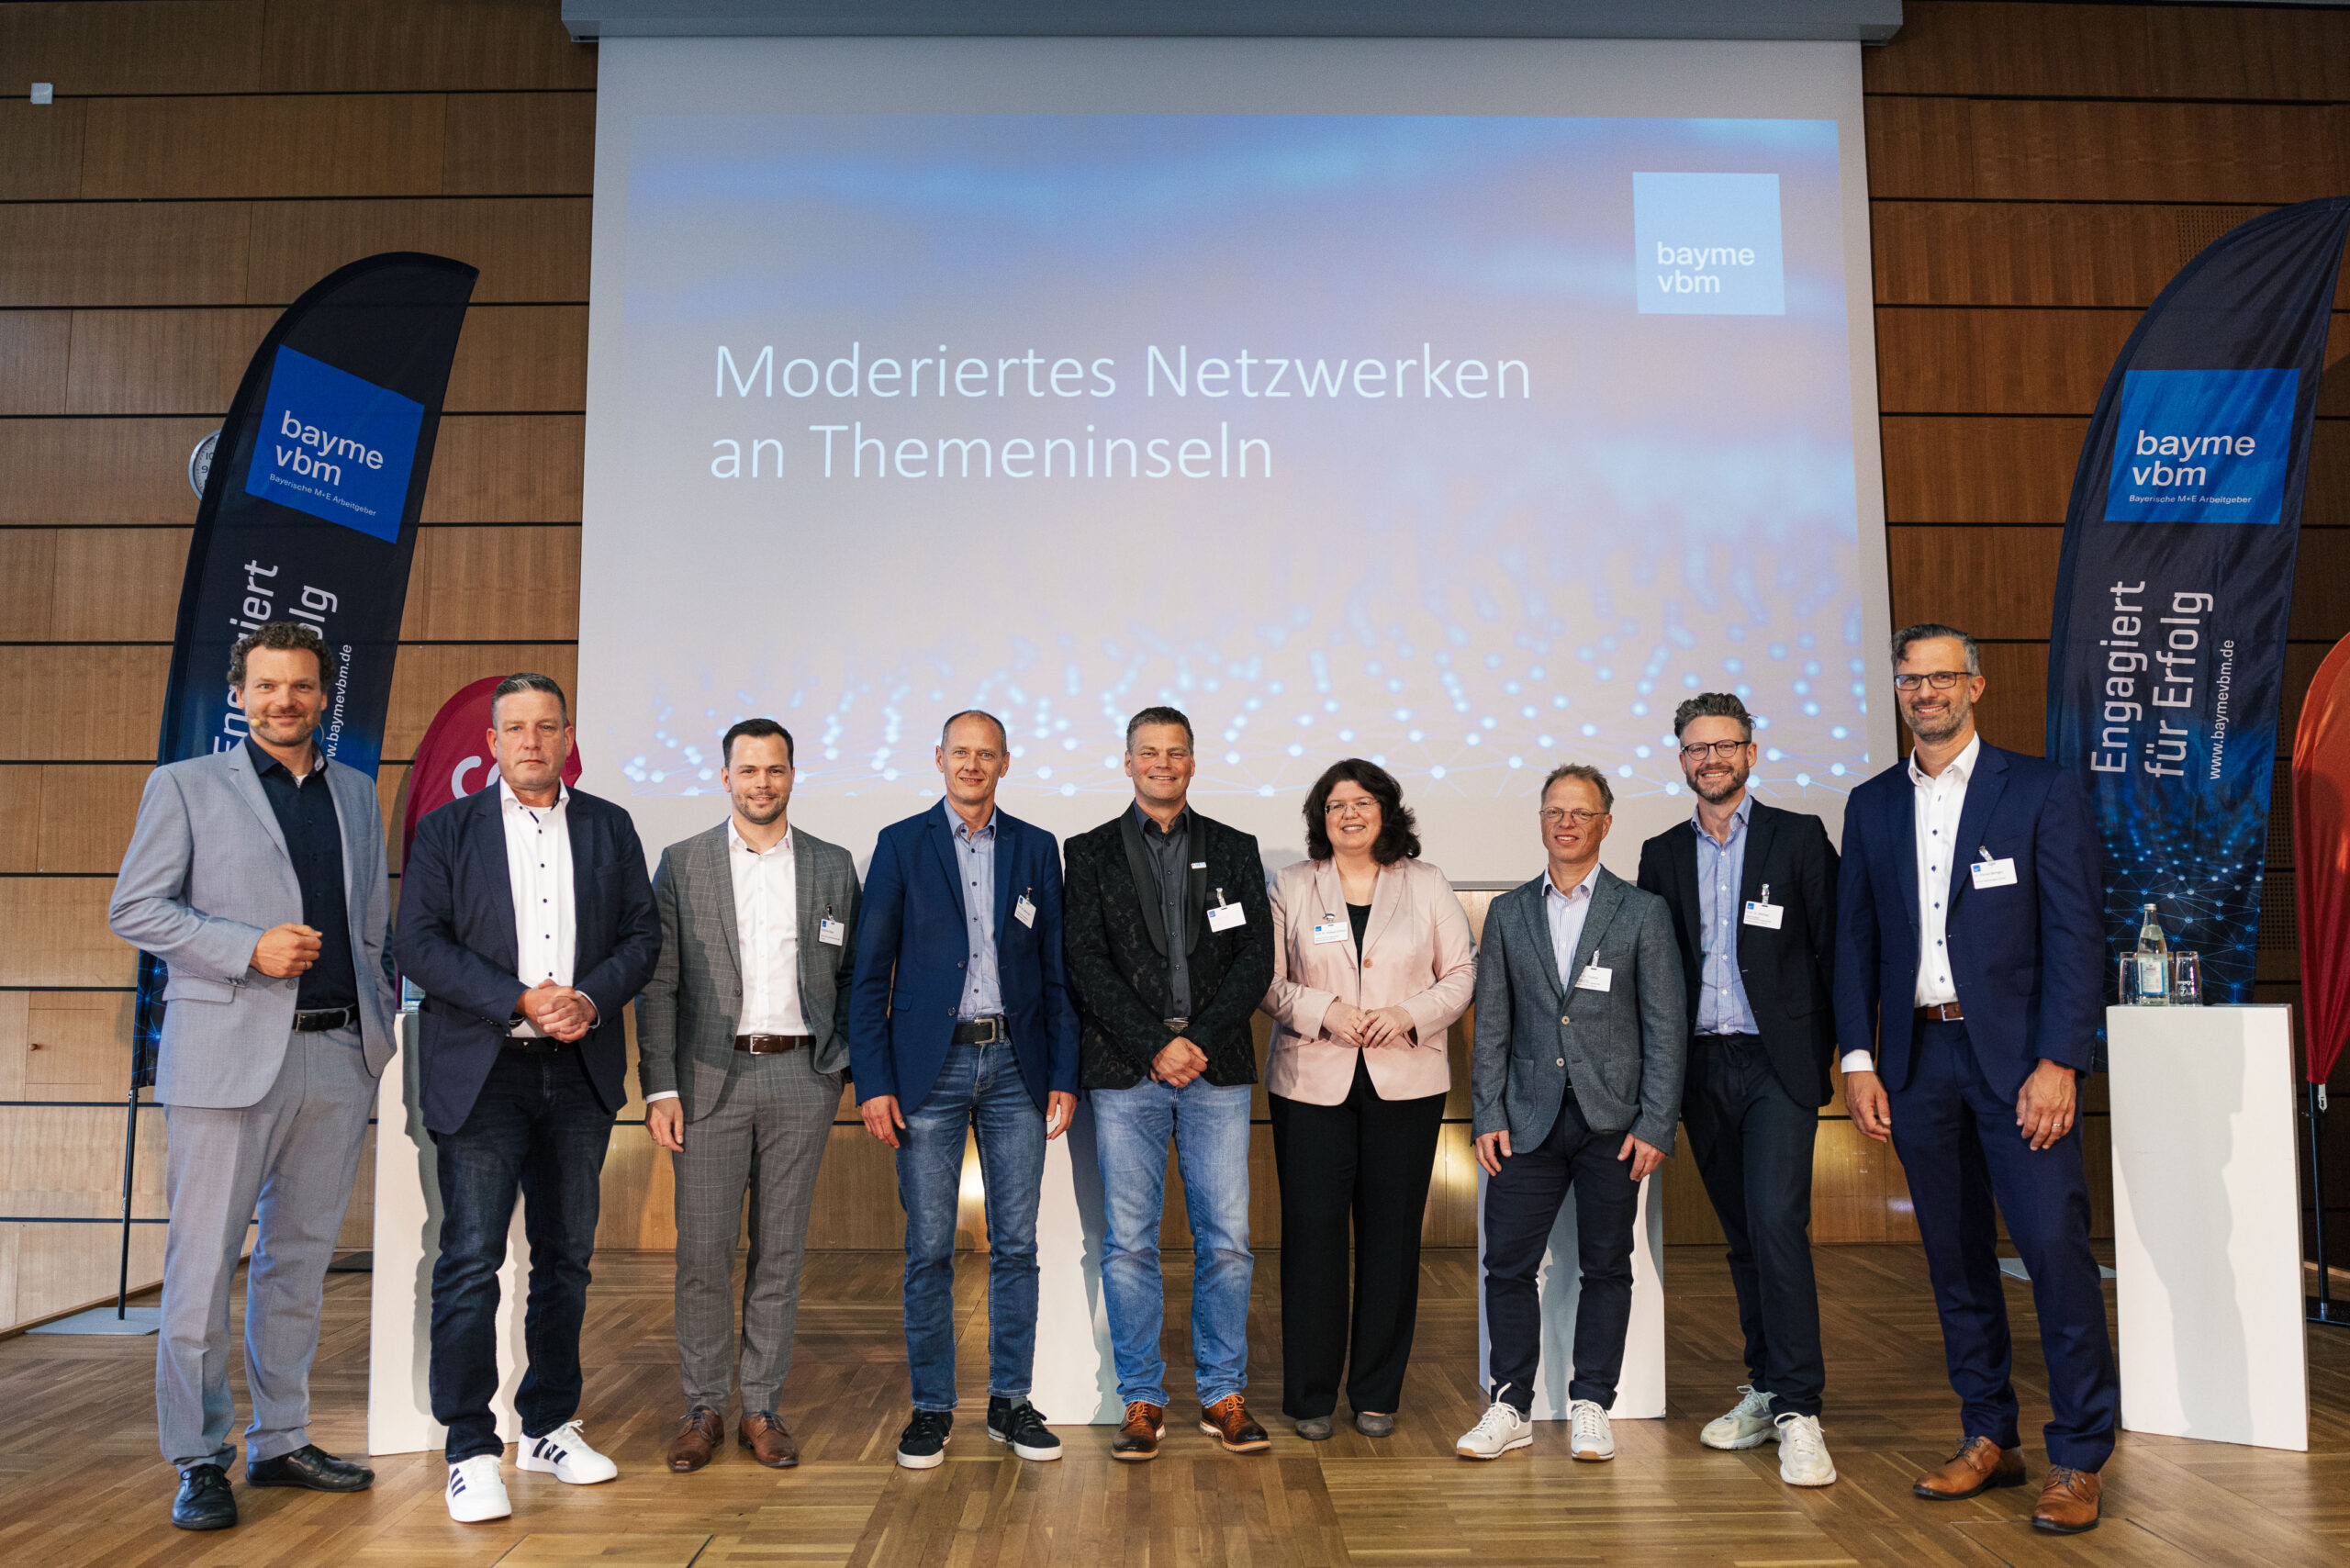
(1416, 952)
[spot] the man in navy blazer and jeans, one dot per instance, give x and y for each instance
(527, 918)
(1970, 947)
(959, 1018)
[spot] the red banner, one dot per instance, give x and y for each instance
(2322, 860)
(453, 760)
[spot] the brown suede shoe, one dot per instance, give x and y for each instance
(696, 1441)
(768, 1442)
(1139, 1433)
(1977, 1467)
(1228, 1421)
(2068, 1501)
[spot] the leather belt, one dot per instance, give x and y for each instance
(320, 1020)
(772, 1045)
(537, 1045)
(1940, 1012)
(981, 1031)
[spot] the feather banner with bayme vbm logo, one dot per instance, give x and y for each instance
(2168, 654)
(310, 511)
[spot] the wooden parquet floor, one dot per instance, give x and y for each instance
(81, 1483)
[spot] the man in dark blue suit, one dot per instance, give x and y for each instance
(1970, 947)
(959, 1018)
(527, 918)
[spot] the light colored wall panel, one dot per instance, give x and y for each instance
(493, 583)
(53, 932)
(81, 704)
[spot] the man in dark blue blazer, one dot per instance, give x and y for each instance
(1970, 947)
(959, 1018)
(527, 918)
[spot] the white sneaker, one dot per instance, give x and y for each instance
(564, 1453)
(476, 1491)
(1745, 1425)
(1593, 1439)
(1501, 1430)
(1802, 1452)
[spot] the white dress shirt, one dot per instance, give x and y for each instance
(766, 927)
(1565, 913)
(1938, 801)
(538, 870)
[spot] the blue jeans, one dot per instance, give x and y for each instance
(1210, 1127)
(979, 1088)
(537, 1128)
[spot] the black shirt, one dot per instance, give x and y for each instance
(1171, 867)
(1359, 916)
(314, 838)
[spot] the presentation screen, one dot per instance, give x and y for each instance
(1463, 407)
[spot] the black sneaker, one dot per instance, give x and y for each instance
(205, 1501)
(1015, 1421)
(922, 1445)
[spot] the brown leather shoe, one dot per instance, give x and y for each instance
(768, 1441)
(1977, 1467)
(2068, 1501)
(696, 1441)
(1139, 1433)
(1228, 1421)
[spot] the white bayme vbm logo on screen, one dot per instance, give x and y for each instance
(1707, 245)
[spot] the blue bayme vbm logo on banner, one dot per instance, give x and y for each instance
(2202, 446)
(1707, 245)
(334, 446)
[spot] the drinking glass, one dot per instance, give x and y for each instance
(2186, 980)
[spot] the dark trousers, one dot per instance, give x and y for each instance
(1962, 1149)
(1521, 1205)
(1364, 1162)
(539, 1129)
(1752, 1140)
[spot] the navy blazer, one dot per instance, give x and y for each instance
(458, 941)
(913, 949)
(2028, 959)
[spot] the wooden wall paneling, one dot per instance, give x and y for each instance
(1993, 582)
(856, 1194)
(428, 676)
(296, 145)
(60, 1268)
(527, 248)
(1983, 361)
(506, 468)
(161, 361)
(1978, 252)
(2321, 584)
(2196, 52)
(20, 820)
(116, 702)
(67, 1159)
(320, 46)
(521, 357)
(61, 253)
(84, 585)
(142, 46)
(41, 149)
(77, 1046)
(2327, 499)
(521, 144)
(1981, 470)
(53, 932)
(33, 361)
(15, 1039)
(86, 812)
(99, 472)
(2014, 710)
(29, 564)
(2302, 660)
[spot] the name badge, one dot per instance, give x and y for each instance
(1226, 918)
(1594, 977)
(1995, 873)
(1766, 915)
(1024, 912)
(1330, 931)
(831, 932)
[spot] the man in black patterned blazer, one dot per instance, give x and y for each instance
(1171, 948)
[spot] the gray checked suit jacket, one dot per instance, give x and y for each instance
(686, 1014)
(208, 873)
(1623, 1049)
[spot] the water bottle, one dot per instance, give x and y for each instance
(2153, 958)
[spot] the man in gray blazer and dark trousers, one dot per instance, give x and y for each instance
(742, 1057)
(1574, 1084)
(257, 874)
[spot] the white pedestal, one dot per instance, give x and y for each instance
(408, 1241)
(2207, 1224)
(1076, 1378)
(1640, 1391)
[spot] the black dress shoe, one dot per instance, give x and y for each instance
(204, 1502)
(310, 1466)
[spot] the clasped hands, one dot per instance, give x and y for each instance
(560, 1012)
(1368, 1028)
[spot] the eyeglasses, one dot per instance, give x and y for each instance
(1552, 816)
(1350, 808)
(1697, 751)
(1943, 679)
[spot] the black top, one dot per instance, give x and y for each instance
(1169, 856)
(306, 815)
(1359, 916)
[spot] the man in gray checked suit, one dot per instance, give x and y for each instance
(742, 1058)
(1574, 1084)
(257, 874)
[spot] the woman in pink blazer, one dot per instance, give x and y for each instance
(1372, 962)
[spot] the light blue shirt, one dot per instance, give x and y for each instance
(1722, 1007)
(975, 869)
(1566, 914)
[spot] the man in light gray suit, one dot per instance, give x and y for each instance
(1574, 1084)
(257, 874)
(742, 1057)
